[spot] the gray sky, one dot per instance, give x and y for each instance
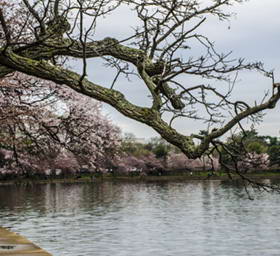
(253, 34)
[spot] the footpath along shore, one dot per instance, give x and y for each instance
(16, 245)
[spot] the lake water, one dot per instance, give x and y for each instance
(144, 219)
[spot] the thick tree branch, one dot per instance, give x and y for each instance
(167, 34)
(151, 117)
(250, 111)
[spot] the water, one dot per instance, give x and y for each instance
(147, 219)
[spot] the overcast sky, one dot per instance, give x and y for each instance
(254, 34)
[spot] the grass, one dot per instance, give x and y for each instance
(138, 178)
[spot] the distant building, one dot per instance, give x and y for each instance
(141, 140)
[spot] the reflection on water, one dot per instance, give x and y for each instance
(159, 219)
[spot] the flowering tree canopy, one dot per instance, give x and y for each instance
(60, 128)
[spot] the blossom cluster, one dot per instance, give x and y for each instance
(49, 126)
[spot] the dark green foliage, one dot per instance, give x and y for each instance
(160, 147)
(157, 146)
(130, 146)
(250, 142)
(274, 154)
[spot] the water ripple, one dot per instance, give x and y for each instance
(155, 219)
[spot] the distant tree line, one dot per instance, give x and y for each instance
(251, 152)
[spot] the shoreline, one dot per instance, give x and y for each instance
(202, 176)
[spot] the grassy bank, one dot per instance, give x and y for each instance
(137, 178)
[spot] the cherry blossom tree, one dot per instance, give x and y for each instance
(59, 128)
(254, 161)
(47, 32)
(179, 161)
(39, 37)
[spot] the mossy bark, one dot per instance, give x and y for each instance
(31, 60)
